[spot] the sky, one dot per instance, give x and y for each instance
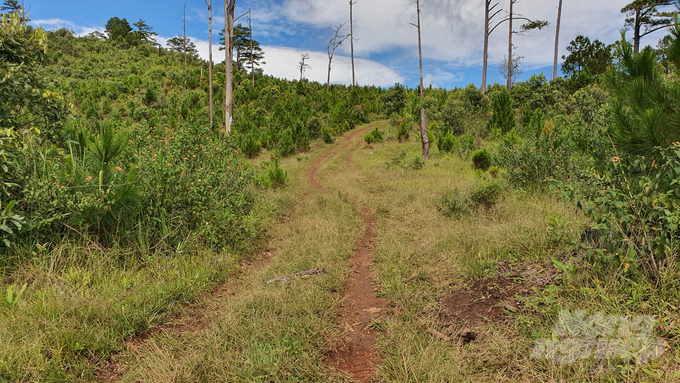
(386, 44)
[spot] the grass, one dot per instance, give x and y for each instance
(82, 305)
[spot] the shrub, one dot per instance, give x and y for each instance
(314, 127)
(417, 163)
(455, 205)
(276, 176)
(503, 118)
(482, 159)
(374, 136)
(487, 195)
(286, 145)
(327, 137)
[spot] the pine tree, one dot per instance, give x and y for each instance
(503, 117)
(644, 103)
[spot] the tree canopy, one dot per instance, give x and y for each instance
(242, 53)
(176, 44)
(583, 53)
(645, 17)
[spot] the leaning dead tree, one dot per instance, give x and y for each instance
(303, 66)
(229, 8)
(351, 37)
(557, 38)
(489, 13)
(210, 60)
(333, 44)
(423, 117)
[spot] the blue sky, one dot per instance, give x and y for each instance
(386, 51)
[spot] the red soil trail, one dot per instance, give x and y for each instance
(357, 356)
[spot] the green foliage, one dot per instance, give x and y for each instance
(394, 100)
(327, 137)
(374, 136)
(503, 118)
(586, 54)
(483, 196)
(416, 164)
(12, 296)
(482, 159)
(644, 103)
(636, 217)
(276, 176)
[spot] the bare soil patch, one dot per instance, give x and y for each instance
(486, 300)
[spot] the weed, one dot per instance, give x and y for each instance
(482, 159)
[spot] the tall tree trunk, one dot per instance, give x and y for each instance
(557, 38)
(636, 32)
(485, 61)
(351, 39)
(328, 81)
(512, 2)
(229, 55)
(210, 62)
(252, 63)
(185, 45)
(423, 117)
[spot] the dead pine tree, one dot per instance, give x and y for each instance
(333, 44)
(229, 8)
(557, 38)
(185, 45)
(210, 60)
(252, 62)
(303, 66)
(423, 117)
(528, 26)
(351, 38)
(489, 13)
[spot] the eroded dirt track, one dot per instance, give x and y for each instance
(357, 356)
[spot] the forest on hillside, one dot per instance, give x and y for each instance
(111, 153)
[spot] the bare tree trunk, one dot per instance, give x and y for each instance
(351, 38)
(333, 44)
(229, 53)
(512, 2)
(423, 117)
(252, 63)
(485, 61)
(328, 81)
(210, 61)
(557, 38)
(185, 46)
(636, 32)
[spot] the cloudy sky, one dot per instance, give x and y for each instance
(386, 50)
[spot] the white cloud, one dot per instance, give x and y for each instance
(452, 30)
(54, 24)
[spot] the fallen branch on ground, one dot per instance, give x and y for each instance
(305, 273)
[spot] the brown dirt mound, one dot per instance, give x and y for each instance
(486, 300)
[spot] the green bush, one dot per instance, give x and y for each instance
(482, 159)
(276, 176)
(374, 136)
(503, 118)
(455, 205)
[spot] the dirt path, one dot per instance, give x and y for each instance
(357, 356)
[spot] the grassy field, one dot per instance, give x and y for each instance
(211, 317)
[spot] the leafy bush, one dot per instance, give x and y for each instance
(374, 136)
(487, 195)
(416, 164)
(482, 159)
(636, 216)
